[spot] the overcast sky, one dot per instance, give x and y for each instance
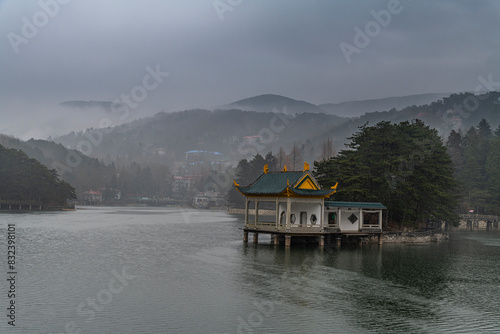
(217, 52)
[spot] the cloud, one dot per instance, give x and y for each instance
(96, 50)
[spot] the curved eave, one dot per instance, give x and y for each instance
(289, 192)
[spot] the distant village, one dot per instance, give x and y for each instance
(196, 182)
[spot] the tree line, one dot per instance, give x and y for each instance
(476, 160)
(27, 180)
(405, 166)
(409, 168)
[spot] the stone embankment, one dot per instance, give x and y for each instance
(411, 237)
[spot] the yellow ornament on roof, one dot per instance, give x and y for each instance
(306, 166)
(284, 169)
(266, 169)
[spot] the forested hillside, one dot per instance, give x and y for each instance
(235, 133)
(84, 173)
(456, 112)
(242, 134)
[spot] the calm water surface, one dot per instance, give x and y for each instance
(166, 270)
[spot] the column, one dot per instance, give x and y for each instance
(380, 218)
(276, 240)
(322, 217)
(256, 212)
(246, 211)
(339, 217)
(288, 212)
(288, 240)
(255, 238)
(321, 241)
(360, 219)
(277, 212)
(245, 236)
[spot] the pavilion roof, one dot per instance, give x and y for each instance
(285, 184)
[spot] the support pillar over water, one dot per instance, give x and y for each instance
(338, 240)
(322, 241)
(276, 239)
(255, 238)
(288, 240)
(380, 239)
(245, 236)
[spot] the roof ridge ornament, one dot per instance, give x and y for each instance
(266, 169)
(306, 166)
(284, 169)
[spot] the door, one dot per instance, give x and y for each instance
(303, 218)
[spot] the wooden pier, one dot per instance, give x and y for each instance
(20, 206)
(321, 238)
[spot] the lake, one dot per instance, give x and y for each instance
(169, 270)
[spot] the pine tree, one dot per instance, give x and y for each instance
(25, 179)
(404, 166)
(493, 169)
(475, 174)
(271, 161)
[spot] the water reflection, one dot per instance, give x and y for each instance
(392, 288)
(195, 275)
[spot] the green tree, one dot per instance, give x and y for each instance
(246, 172)
(493, 169)
(25, 179)
(474, 175)
(404, 166)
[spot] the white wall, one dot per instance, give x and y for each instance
(345, 224)
(309, 208)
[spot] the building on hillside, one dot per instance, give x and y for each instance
(209, 199)
(302, 209)
(185, 183)
(92, 197)
(200, 156)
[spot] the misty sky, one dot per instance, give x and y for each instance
(217, 52)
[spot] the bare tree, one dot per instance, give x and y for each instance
(296, 158)
(281, 158)
(328, 150)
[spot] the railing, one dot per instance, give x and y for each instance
(370, 226)
(332, 226)
(271, 226)
(305, 228)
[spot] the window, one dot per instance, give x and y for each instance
(313, 219)
(292, 218)
(282, 218)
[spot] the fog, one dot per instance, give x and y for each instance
(217, 52)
